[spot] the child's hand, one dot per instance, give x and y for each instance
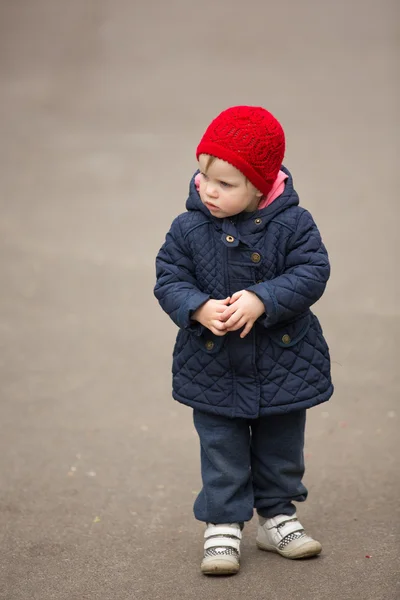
(209, 315)
(245, 308)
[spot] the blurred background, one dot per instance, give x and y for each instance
(102, 105)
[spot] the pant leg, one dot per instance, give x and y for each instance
(277, 463)
(227, 494)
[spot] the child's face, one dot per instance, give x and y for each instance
(225, 190)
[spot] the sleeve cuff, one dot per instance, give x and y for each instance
(271, 312)
(186, 311)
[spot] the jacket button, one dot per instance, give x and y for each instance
(209, 345)
(230, 238)
(255, 257)
(286, 339)
(258, 221)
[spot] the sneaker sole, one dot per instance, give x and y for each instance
(219, 567)
(306, 550)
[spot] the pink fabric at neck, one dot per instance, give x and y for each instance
(276, 191)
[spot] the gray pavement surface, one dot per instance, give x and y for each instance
(102, 105)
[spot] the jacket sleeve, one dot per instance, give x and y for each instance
(304, 280)
(176, 287)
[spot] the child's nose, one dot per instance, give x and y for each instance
(211, 190)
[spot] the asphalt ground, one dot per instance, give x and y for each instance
(102, 105)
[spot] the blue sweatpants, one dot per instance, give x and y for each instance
(247, 464)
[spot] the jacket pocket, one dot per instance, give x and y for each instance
(291, 333)
(208, 342)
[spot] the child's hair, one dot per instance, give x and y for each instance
(210, 161)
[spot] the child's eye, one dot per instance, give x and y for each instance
(224, 184)
(204, 175)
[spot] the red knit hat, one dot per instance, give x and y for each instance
(250, 139)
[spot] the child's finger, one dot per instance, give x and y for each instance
(247, 329)
(225, 301)
(235, 297)
(220, 308)
(233, 319)
(228, 310)
(238, 325)
(227, 313)
(218, 332)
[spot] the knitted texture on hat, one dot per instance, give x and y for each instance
(250, 139)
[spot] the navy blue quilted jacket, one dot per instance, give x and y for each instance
(283, 363)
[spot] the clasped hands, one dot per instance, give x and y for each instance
(240, 310)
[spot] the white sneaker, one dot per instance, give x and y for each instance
(286, 536)
(221, 549)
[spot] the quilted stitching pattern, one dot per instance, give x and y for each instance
(206, 250)
(258, 375)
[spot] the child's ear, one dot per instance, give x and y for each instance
(259, 194)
